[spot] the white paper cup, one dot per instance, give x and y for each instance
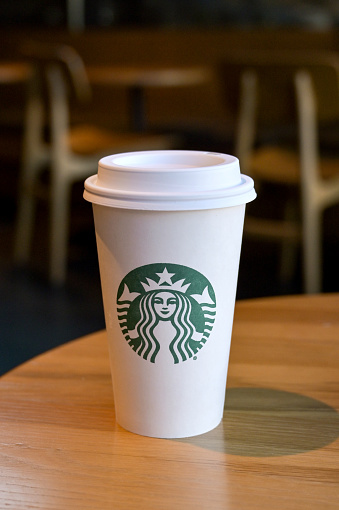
(169, 229)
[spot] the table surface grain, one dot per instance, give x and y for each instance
(277, 447)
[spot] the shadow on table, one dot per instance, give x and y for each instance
(263, 422)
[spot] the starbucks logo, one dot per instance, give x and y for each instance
(166, 306)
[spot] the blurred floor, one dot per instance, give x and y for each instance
(35, 317)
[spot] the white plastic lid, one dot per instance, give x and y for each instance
(169, 180)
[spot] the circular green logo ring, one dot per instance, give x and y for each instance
(159, 294)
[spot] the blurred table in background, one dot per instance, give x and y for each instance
(138, 78)
(13, 72)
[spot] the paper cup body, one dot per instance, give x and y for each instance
(169, 281)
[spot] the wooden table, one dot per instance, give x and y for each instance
(277, 448)
(138, 78)
(13, 72)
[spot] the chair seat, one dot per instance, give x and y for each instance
(90, 140)
(281, 165)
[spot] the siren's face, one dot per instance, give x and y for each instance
(165, 304)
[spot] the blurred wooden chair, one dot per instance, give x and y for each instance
(71, 152)
(282, 101)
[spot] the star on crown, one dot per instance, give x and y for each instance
(165, 283)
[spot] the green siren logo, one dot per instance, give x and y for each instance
(166, 306)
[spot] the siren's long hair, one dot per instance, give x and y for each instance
(179, 346)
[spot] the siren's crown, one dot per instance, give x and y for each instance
(165, 283)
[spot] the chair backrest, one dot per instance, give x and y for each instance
(275, 72)
(58, 76)
(43, 56)
(260, 91)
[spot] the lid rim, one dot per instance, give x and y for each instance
(173, 203)
(246, 184)
(172, 207)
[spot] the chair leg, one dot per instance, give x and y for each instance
(312, 251)
(60, 196)
(288, 261)
(25, 217)
(290, 247)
